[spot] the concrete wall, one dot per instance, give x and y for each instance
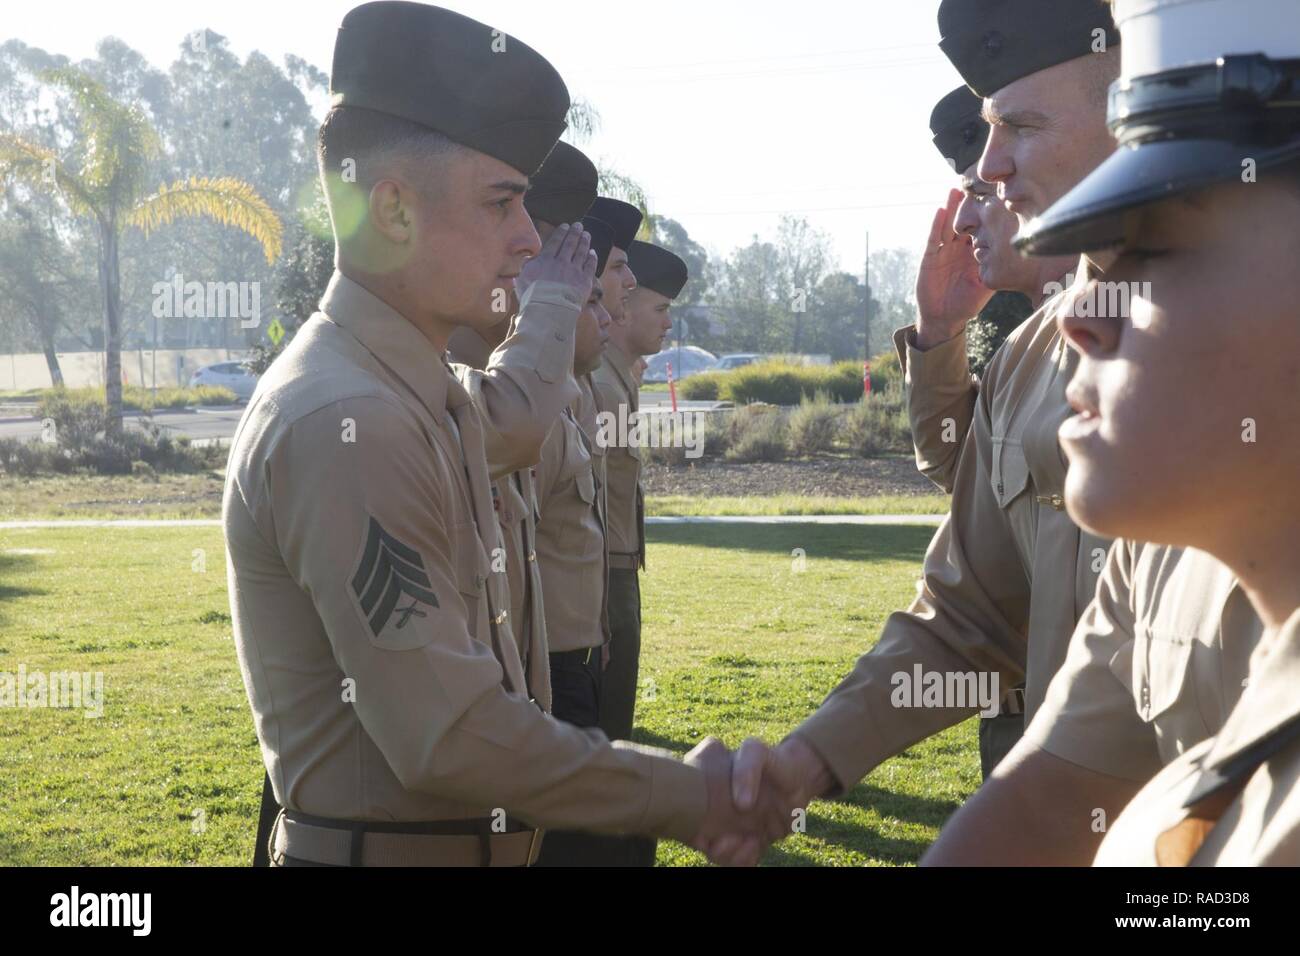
(81, 369)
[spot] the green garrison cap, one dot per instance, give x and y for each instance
(656, 268)
(622, 217)
(602, 240)
(993, 43)
(475, 85)
(1207, 90)
(564, 188)
(959, 128)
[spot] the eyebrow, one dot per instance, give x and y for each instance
(510, 186)
(994, 117)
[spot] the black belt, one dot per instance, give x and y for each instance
(582, 655)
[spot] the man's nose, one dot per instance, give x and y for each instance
(526, 242)
(995, 164)
(967, 220)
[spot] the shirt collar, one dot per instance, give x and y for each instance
(621, 362)
(1269, 701)
(390, 338)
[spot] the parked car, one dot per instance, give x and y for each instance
(687, 360)
(736, 361)
(231, 375)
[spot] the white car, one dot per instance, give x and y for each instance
(737, 360)
(687, 360)
(231, 375)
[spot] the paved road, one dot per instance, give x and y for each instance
(218, 422)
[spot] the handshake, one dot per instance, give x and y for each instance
(756, 795)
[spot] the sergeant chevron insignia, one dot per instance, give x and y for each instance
(388, 570)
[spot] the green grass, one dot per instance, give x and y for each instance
(199, 496)
(736, 642)
(110, 496)
(797, 505)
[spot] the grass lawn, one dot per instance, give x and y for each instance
(797, 505)
(199, 496)
(736, 642)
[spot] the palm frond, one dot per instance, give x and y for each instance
(616, 185)
(230, 201)
(27, 162)
(583, 120)
(119, 139)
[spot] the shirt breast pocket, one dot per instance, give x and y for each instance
(586, 484)
(1010, 471)
(471, 580)
(1155, 668)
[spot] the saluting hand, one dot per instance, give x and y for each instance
(949, 292)
(566, 257)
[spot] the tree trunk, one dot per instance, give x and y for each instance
(51, 356)
(110, 280)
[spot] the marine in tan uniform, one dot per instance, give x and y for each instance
(560, 192)
(387, 692)
(646, 320)
(968, 256)
(1009, 573)
(1156, 665)
(573, 558)
(616, 396)
(1204, 96)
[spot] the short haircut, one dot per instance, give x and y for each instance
(373, 141)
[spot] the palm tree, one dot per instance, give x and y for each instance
(583, 123)
(119, 145)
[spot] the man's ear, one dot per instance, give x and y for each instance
(390, 212)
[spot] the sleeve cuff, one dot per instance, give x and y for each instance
(544, 333)
(944, 363)
(678, 799)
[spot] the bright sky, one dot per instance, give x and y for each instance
(728, 112)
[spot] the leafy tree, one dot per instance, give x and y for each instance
(103, 178)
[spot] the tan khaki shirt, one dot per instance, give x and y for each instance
(514, 498)
(1157, 663)
(1005, 579)
(570, 539)
(383, 679)
(1256, 755)
(616, 399)
(941, 394)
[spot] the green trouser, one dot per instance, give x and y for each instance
(997, 736)
(618, 685)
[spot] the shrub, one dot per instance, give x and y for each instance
(775, 383)
(80, 421)
(757, 433)
(705, 387)
(134, 398)
(813, 425)
(879, 425)
(29, 458)
(78, 415)
(886, 373)
(782, 383)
